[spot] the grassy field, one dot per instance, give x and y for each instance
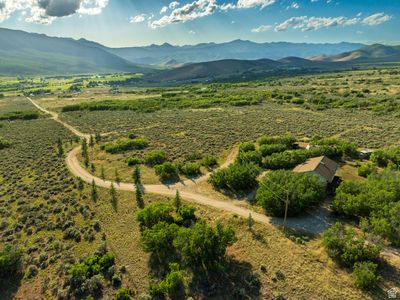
(38, 196)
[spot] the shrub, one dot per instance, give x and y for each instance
(383, 157)
(20, 115)
(71, 233)
(287, 140)
(247, 146)
(10, 261)
(133, 161)
(209, 161)
(303, 191)
(237, 177)
(124, 144)
(365, 275)
(155, 157)
(203, 246)
(172, 286)
(344, 245)
(167, 171)
(122, 294)
(191, 169)
(249, 157)
(153, 214)
(367, 169)
(4, 143)
(269, 149)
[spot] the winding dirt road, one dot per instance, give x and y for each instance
(77, 170)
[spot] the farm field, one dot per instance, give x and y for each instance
(59, 220)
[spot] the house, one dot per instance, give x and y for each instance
(321, 166)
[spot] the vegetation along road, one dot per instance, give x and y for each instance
(78, 171)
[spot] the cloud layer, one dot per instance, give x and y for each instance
(45, 11)
(305, 23)
(201, 8)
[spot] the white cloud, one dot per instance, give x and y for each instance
(262, 28)
(376, 19)
(138, 19)
(305, 23)
(188, 12)
(192, 32)
(174, 4)
(45, 11)
(163, 10)
(254, 3)
(295, 5)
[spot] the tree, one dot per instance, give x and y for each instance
(172, 286)
(155, 213)
(102, 175)
(304, 191)
(237, 177)
(139, 197)
(177, 201)
(93, 193)
(114, 196)
(10, 261)
(155, 157)
(136, 176)
(91, 141)
(80, 184)
(167, 171)
(203, 246)
(85, 153)
(60, 148)
(159, 239)
(365, 275)
(347, 247)
(97, 137)
(117, 178)
(250, 222)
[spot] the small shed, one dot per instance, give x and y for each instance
(321, 166)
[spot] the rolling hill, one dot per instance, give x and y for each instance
(243, 69)
(373, 53)
(23, 53)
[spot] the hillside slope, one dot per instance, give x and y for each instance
(373, 53)
(23, 53)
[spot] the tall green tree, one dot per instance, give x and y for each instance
(177, 201)
(60, 147)
(114, 196)
(93, 191)
(136, 176)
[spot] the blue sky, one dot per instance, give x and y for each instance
(142, 22)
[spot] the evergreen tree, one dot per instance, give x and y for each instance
(102, 175)
(136, 176)
(97, 137)
(80, 184)
(250, 222)
(85, 153)
(60, 148)
(177, 201)
(91, 141)
(139, 197)
(113, 194)
(117, 178)
(94, 191)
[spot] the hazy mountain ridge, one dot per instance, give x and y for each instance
(23, 53)
(238, 49)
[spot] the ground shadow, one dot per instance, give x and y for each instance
(234, 280)
(9, 286)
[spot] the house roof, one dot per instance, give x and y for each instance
(322, 165)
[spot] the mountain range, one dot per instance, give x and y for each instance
(23, 53)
